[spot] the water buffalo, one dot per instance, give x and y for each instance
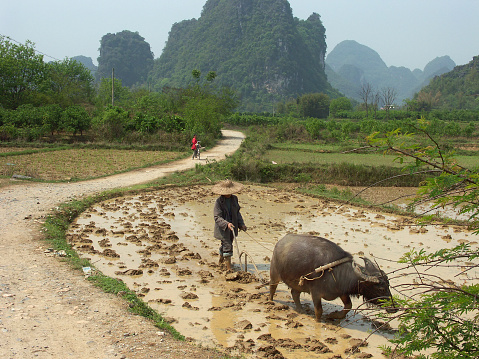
(295, 258)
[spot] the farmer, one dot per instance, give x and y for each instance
(227, 217)
(193, 146)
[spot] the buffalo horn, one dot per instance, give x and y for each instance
(361, 275)
(370, 266)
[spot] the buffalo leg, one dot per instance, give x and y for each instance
(341, 314)
(295, 294)
(274, 280)
(318, 307)
(272, 290)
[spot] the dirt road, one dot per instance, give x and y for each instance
(49, 311)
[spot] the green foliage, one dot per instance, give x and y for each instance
(121, 94)
(314, 105)
(69, 82)
(204, 108)
(26, 79)
(202, 117)
(52, 118)
(457, 89)
(28, 116)
(340, 104)
(315, 127)
(128, 54)
(76, 119)
(441, 316)
(112, 123)
(22, 73)
(245, 120)
(251, 164)
(451, 184)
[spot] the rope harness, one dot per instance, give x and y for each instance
(324, 268)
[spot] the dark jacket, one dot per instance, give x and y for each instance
(220, 213)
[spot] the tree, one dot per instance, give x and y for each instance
(439, 316)
(376, 99)
(76, 119)
(388, 96)
(340, 104)
(70, 82)
(22, 73)
(314, 105)
(111, 124)
(427, 100)
(204, 106)
(366, 94)
(121, 93)
(52, 118)
(128, 54)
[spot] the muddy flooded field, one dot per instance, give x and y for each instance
(161, 244)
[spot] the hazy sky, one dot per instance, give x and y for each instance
(406, 33)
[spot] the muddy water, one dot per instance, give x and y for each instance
(161, 245)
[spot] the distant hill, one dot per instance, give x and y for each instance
(456, 89)
(267, 56)
(350, 65)
(87, 62)
(256, 47)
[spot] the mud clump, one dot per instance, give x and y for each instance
(131, 272)
(241, 277)
(269, 352)
(189, 296)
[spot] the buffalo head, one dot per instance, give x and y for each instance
(374, 283)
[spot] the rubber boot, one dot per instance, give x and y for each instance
(228, 262)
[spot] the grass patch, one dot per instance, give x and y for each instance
(336, 153)
(322, 158)
(307, 147)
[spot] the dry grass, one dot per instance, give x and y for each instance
(80, 164)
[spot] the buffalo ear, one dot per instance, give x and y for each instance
(364, 277)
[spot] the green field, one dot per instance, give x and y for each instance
(307, 153)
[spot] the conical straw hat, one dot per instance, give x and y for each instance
(227, 187)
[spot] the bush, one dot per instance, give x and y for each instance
(112, 123)
(52, 118)
(76, 119)
(339, 106)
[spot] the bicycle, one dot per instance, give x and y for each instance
(198, 150)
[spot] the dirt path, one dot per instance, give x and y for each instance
(49, 311)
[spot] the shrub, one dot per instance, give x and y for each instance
(111, 124)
